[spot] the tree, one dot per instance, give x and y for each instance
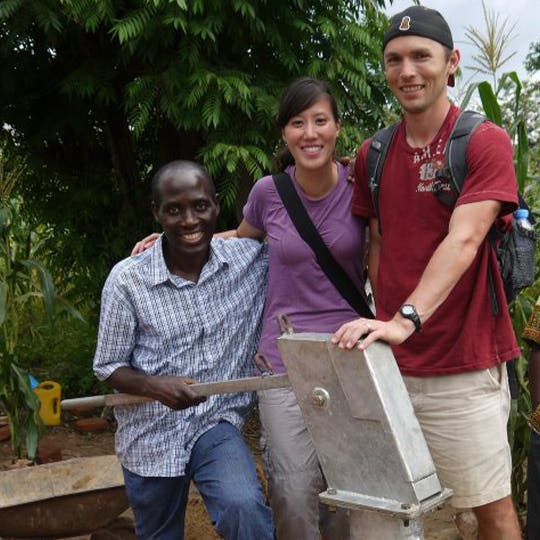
(101, 92)
(532, 62)
(531, 99)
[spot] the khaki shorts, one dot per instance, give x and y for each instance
(464, 420)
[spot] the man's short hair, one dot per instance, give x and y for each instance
(181, 166)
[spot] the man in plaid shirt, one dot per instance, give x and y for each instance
(187, 309)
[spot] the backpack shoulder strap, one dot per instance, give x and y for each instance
(376, 154)
(456, 165)
(456, 155)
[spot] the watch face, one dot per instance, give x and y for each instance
(407, 309)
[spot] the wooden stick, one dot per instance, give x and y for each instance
(248, 384)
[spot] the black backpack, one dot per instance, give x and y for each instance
(515, 248)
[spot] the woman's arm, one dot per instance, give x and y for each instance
(144, 244)
(226, 234)
(245, 230)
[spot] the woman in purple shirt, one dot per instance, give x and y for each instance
(297, 286)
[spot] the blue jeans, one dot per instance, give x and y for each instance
(224, 473)
(533, 489)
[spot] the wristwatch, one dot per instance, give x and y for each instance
(408, 311)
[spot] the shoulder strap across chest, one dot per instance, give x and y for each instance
(309, 233)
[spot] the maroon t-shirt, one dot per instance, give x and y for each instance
(463, 334)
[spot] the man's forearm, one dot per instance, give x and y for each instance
(445, 268)
(174, 392)
(468, 227)
(130, 381)
(467, 231)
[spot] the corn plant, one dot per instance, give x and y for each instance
(512, 118)
(24, 284)
(492, 47)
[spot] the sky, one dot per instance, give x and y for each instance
(462, 13)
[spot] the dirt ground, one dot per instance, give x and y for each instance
(438, 525)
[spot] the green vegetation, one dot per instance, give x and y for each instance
(512, 105)
(512, 117)
(101, 93)
(29, 304)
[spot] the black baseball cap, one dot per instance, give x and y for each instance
(420, 21)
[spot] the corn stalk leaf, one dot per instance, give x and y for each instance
(489, 103)
(46, 285)
(3, 302)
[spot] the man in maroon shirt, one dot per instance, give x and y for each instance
(429, 270)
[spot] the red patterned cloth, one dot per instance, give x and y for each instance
(531, 332)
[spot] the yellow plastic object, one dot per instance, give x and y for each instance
(49, 393)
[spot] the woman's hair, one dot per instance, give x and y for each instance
(299, 96)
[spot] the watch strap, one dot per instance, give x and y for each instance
(408, 311)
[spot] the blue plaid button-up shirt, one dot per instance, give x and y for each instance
(161, 324)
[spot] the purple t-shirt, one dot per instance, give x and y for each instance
(297, 286)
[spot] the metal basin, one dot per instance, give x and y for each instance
(62, 499)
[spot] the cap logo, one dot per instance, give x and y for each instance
(405, 23)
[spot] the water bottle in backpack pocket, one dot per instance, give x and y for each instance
(516, 254)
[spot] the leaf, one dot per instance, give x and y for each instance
(133, 25)
(179, 22)
(5, 217)
(3, 302)
(32, 438)
(47, 286)
(23, 384)
(70, 309)
(29, 420)
(489, 103)
(244, 7)
(47, 17)
(471, 88)
(9, 7)
(522, 156)
(517, 81)
(211, 111)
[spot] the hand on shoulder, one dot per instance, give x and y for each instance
(145, 243)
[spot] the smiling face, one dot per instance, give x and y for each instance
(311, 135)
(187, 210)
(417, 71)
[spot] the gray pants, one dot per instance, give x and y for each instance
(294, 476)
